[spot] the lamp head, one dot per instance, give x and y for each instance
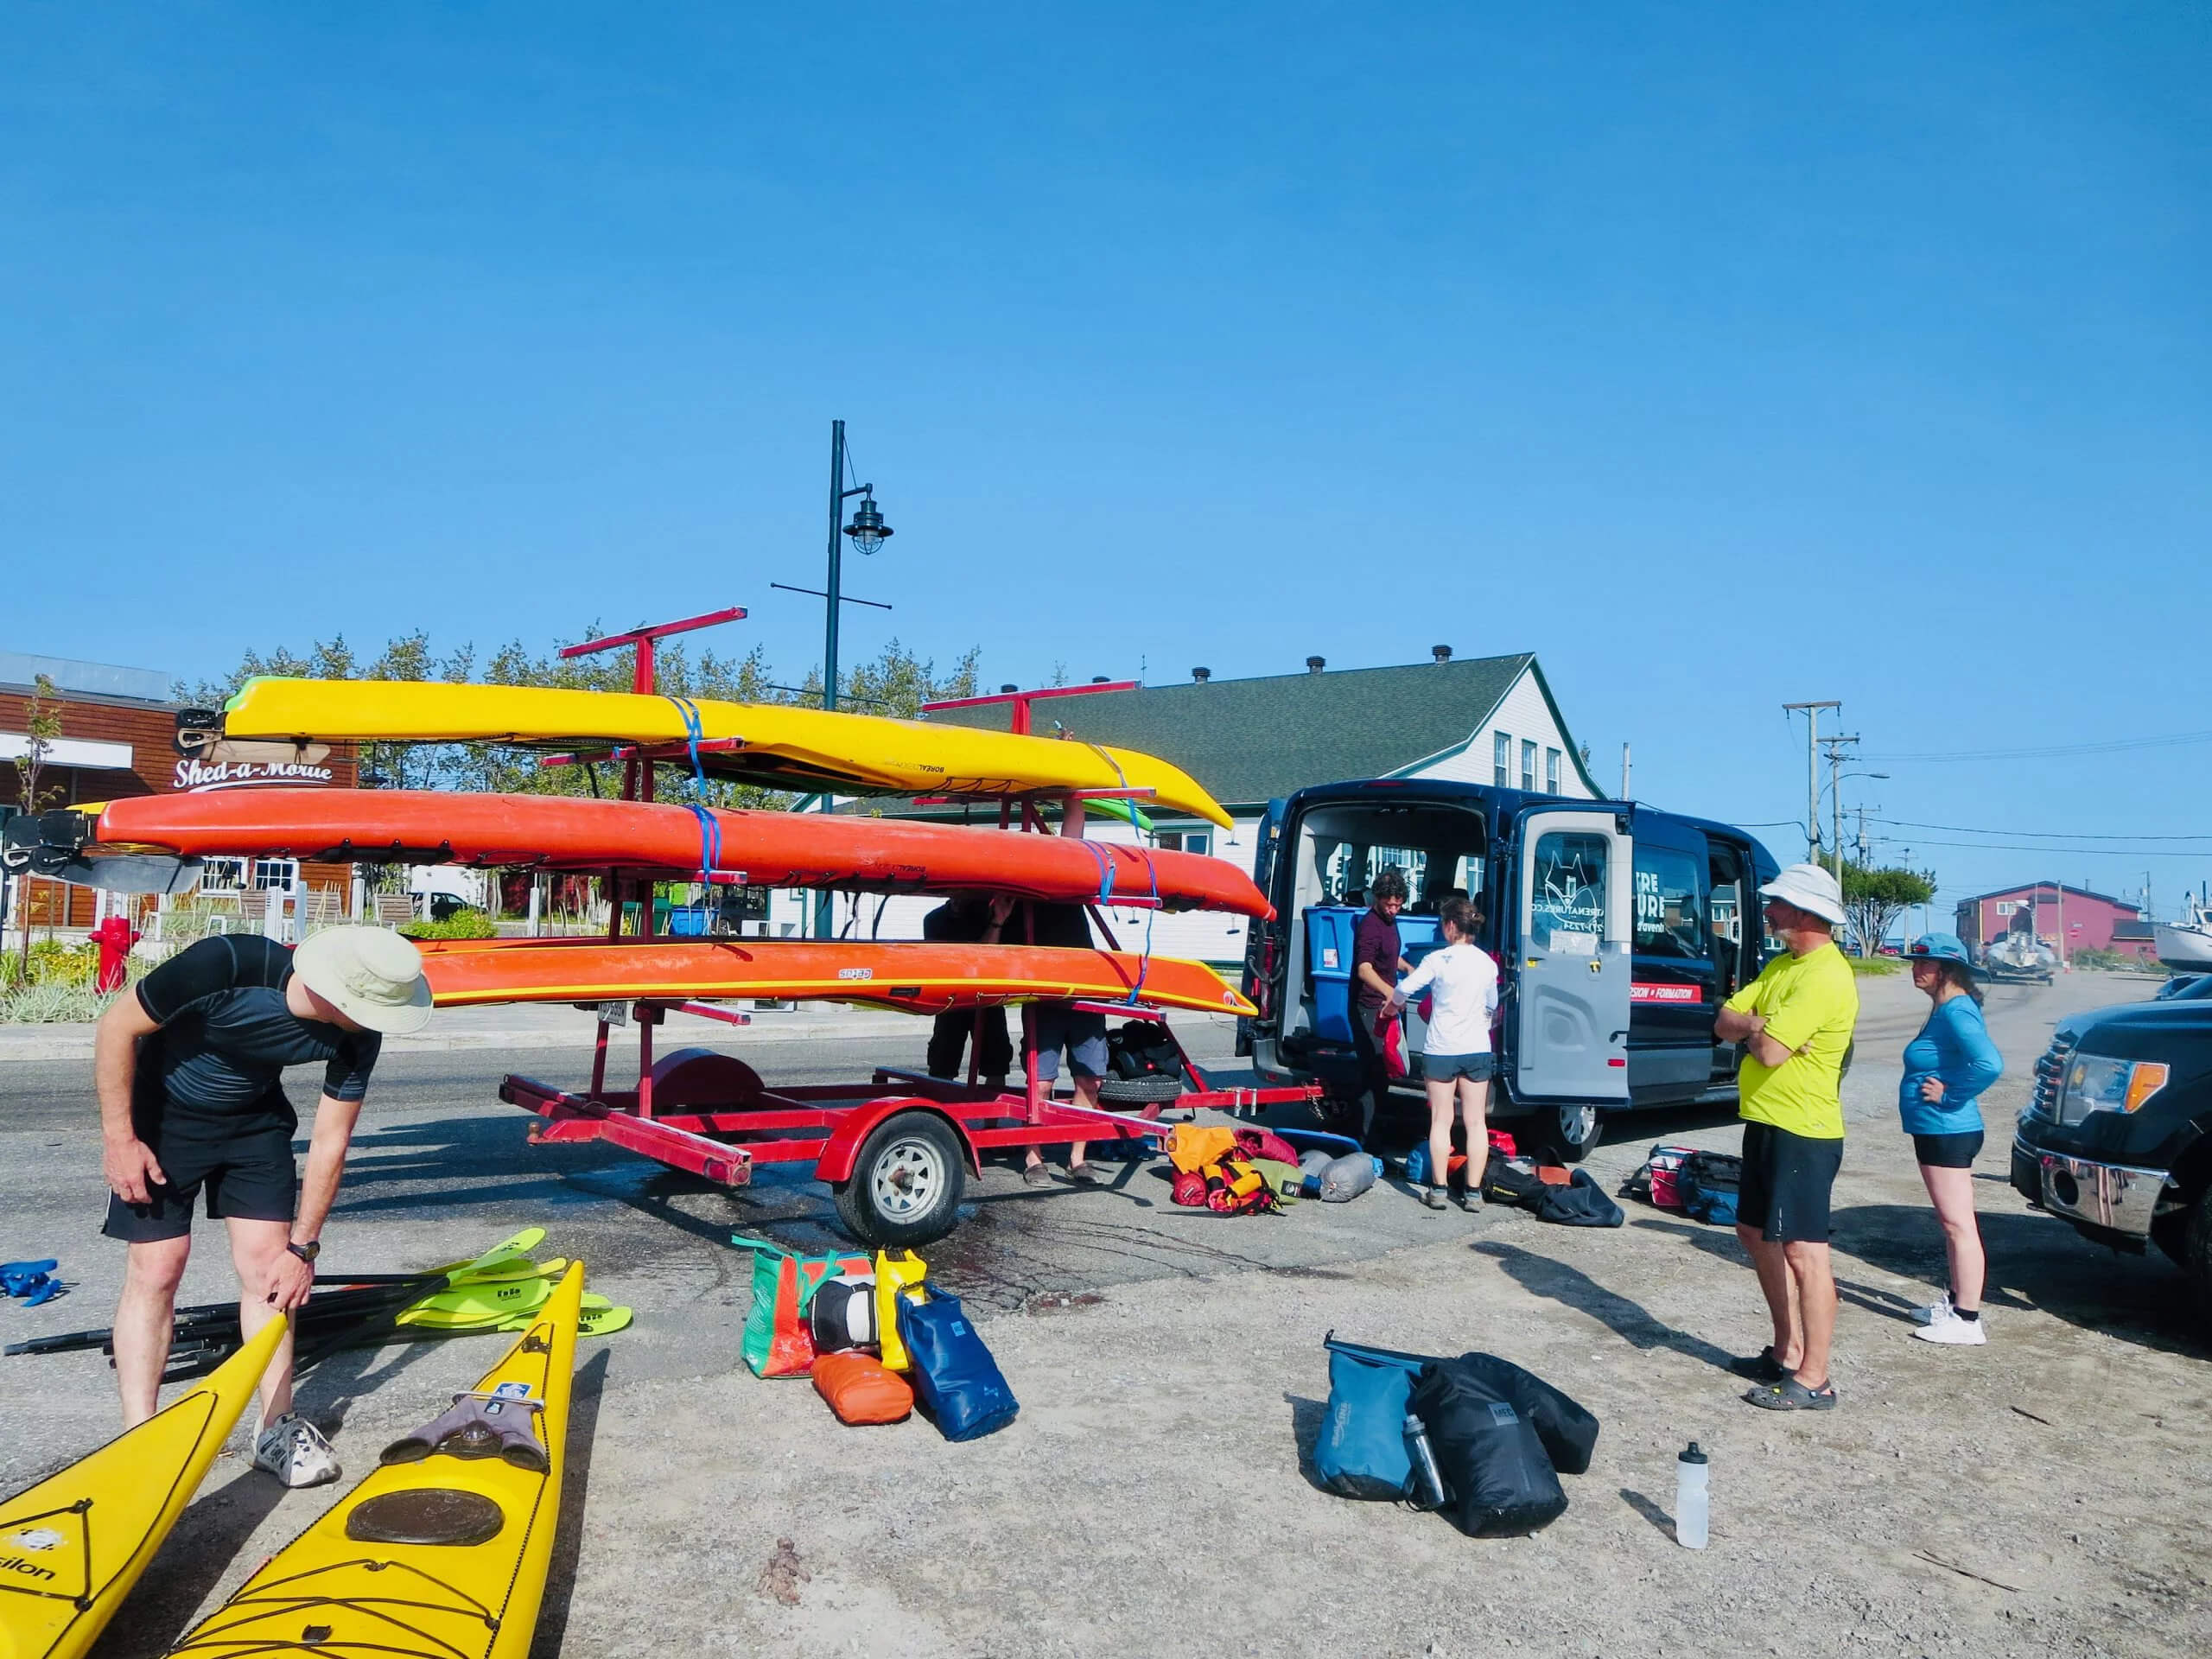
(867, 529)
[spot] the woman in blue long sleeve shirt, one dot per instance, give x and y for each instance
(1947, 1069)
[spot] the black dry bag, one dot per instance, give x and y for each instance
(1502, 1483)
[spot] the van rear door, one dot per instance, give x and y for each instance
(1264, 941)
(1574, 914)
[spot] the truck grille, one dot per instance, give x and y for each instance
(2050, 1076)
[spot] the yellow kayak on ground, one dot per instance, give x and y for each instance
(810, 748)
(72, 1546)
(441, 1558)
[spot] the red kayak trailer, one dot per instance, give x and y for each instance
(896, 1151)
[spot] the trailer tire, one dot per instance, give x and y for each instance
(906, 1184)
(1161, 1086)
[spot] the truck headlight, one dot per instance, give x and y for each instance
(2095, 1084)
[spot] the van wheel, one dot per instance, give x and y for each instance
(2196, 1254)
(906, 1184)
(1567, 1133)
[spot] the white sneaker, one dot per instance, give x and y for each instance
(294, 1451)
(1953, 1331)
(1935, 1313)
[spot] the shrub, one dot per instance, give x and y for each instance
(462, 924)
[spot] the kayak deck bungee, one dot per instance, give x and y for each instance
(360, 1580)
(772, 743)
(73, 1545)
(920, 978)
(766, 848)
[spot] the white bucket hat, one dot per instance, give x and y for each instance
(370, 975)
(1811, 888)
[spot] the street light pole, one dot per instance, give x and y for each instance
(868, 532)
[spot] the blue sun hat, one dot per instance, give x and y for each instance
(1939, 947)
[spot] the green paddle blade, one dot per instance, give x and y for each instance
(511, 1255)
(478, 1304)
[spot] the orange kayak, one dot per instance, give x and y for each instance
(561, 832)
(914, 978)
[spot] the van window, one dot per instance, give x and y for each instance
(1567, 911)
(1670, 904)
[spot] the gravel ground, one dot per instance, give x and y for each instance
(2043, 1494)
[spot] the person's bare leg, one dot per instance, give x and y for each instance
(255, 1247)
(1774, 1282)
(1815, 1284)
(1086, 1094)
(1474, 1107)
(1440, 1132)
(145, 1319)
(1952, 1193)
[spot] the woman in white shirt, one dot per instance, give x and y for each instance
(1462, 980)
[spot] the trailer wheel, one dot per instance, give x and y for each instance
(1567, 1133)
(906, 1184)
(1161, 1086)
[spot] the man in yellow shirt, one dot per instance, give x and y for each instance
(1795, 1023)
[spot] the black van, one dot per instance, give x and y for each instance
(1620, 929)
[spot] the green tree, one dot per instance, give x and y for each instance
(42, 726)
(1873, 898)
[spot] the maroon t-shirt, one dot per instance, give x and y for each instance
(1375, 941)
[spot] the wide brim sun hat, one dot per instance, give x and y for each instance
(1811, 888)
(370, 975)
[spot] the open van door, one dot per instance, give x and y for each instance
(1264, 941)
(1573, 910)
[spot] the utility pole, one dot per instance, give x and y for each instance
(1624, 794)
(1835, 747)
(1812, 713)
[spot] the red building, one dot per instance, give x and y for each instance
(118, 738)
(2055, 910)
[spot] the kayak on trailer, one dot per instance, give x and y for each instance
(767, 849)
(72, 1546)
(763, 742)
(918, 978)
(439, 1555)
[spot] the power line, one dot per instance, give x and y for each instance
(2035, 835)
(2112, 745)
(2200, 853)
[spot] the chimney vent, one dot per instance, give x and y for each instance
(1442, 653)
(1009, 687)
(1315, 665)
(1101, 679)
(1202, 675)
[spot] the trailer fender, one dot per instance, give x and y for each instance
(844, 1148)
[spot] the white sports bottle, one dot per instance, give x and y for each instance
(1690, 1499)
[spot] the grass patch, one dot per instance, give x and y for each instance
(1873, 967)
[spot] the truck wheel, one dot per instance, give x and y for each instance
(1566, 1134)
(2196, 1254)
(906, 1184)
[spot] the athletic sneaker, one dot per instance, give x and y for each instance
(1953, 1331)
(294, 1451)
(1432, 1197)
(1934, 1314)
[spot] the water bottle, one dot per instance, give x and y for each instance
(1690, 1499)
(1428, 1480)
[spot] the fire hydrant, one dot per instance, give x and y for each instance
(115, 936)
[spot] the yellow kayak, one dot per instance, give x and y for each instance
(855, 753)
(440, 1558)
(72, 1546)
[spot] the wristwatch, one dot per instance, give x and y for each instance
(306, 1252)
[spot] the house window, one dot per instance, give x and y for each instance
(2005, 907)
(1551, 772)
(275, 874)
(1184, 841)
(222, 875)
(1528, 765)
(1502, 759)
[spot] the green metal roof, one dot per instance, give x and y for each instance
(1250, 741)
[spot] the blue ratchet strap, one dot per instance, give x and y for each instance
(1144, 958)
(710, 831)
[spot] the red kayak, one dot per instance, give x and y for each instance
(561, 832)
(916, 978)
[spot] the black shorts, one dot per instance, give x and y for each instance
(1947, 1151)
(249, 1176)
(1786, 1182)
(1449, 1068)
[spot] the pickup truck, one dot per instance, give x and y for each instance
(2117, 1137)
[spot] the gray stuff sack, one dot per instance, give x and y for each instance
(1347, 1177)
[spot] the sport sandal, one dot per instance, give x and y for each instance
(1790, 1394)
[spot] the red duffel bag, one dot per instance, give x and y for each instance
(861, 1389)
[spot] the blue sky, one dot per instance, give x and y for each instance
(1722, 357)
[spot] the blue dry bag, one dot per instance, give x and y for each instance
(1361, 1452)
(958, 1381)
